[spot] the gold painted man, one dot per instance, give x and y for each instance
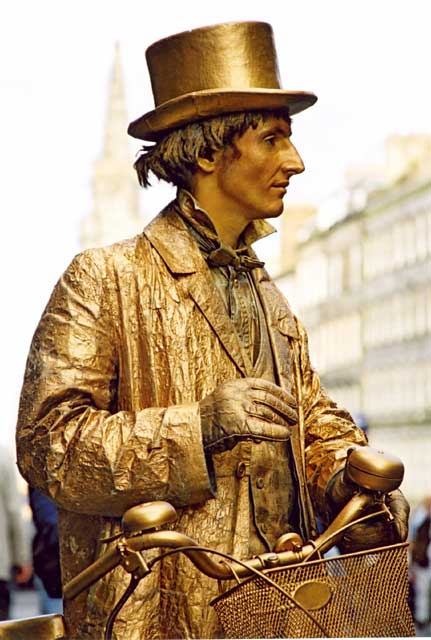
(170, 367)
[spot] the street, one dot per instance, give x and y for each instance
(25, 603)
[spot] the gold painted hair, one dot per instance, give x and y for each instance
(174, 157)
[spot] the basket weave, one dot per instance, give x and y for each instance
(367, 598)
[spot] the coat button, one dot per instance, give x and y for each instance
(241, 470)
(260, 483)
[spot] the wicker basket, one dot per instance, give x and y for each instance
(361, 594)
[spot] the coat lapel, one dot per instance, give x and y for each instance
(169, 236)
(281, 325)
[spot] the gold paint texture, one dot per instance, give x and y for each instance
(133, 337)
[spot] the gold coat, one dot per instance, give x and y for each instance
(134, 335)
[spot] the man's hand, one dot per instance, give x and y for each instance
(246, 409)
(380, 531)
(22, 573)
(376, 532)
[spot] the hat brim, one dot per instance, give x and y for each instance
(204, 104)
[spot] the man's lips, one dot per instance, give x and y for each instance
(281, 187)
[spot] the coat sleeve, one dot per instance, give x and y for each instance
(72, 441)
(329, 432)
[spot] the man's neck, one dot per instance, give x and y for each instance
(228, 224)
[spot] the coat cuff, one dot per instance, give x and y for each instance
(181, 429)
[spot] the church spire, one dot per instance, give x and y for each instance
(116, 144)
(115, 213)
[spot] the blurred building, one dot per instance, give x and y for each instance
(362, 287)
(293, 225)
(115, 214)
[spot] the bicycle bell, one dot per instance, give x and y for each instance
(146, 516)
(374, 470)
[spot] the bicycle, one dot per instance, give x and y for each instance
(290, 592)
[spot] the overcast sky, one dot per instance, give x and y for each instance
(367, 61)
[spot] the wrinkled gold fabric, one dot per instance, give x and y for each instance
(134, 335)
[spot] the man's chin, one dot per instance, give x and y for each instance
(275, 212)
(269, 212)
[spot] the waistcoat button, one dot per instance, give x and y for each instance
(260, 483)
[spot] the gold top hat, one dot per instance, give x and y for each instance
(212, 70)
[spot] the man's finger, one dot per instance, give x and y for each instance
(264, 412)
(400, 509)
(260, 384)
(267, 430)
(275, 404)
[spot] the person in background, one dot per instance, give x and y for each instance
(420, 569)
(361, 421)
(15, 562)
(46, 552)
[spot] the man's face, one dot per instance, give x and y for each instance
(252, 177)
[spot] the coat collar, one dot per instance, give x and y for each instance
(169, 235)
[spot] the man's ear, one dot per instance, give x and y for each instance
(207, 165)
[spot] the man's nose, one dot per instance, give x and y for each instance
(292, 161)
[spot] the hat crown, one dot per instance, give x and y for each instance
(235, 55)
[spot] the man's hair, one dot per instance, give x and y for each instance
(174, 157)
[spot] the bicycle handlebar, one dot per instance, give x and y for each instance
(211, 568)
(370, 469)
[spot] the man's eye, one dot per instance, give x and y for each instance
(270, 140)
